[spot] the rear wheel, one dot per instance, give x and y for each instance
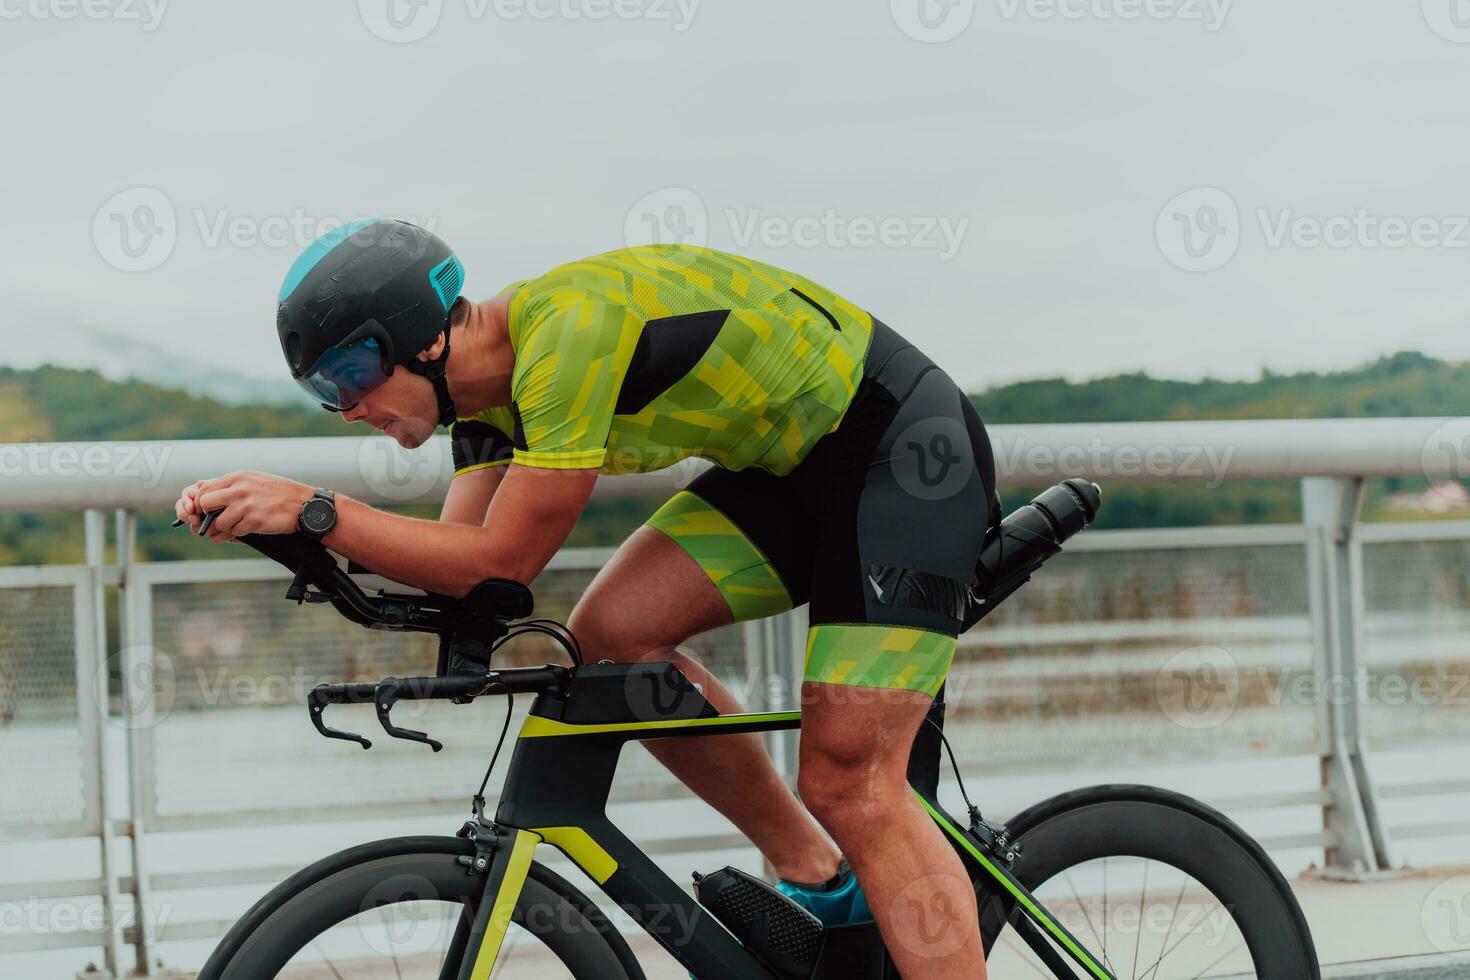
(401, 909)
(1155, 886)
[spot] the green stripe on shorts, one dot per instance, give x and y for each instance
(878, 656)
(733, 563)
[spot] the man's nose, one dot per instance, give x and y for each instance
(354, 414)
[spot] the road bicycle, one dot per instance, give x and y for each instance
(1107, 883)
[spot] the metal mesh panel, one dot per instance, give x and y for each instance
(1141, 653)
(1416, 657)
(233, 732)
(41, 753)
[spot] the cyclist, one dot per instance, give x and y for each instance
(850, 473)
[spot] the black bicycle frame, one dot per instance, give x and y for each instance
(556, 792)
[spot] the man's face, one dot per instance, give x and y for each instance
(403, 407)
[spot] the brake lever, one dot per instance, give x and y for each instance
(322, 695)
(385, 698)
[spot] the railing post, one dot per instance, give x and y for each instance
(92, 697)
(1335, 586)
(135, 610)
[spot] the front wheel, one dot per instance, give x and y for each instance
(1154, 885)
(402, 908)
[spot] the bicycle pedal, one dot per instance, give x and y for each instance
(785, 937)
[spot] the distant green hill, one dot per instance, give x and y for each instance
(1407, 383)
(61, 404)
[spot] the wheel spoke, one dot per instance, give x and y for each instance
(1165, 941)
(1086, 915)
(1142, 897)
(327, 960)
(1220, 959)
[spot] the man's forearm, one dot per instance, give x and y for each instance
(438, 557)
(531, 514)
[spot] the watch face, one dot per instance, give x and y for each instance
(317, 516)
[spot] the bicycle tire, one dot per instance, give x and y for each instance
(1154, 824)
(315, 899)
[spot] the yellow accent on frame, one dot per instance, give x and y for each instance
(585, 852)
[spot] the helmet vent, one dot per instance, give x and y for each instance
(447, 277)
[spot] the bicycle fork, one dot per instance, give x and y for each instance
(505, 860)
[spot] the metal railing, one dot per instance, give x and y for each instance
(1263, 607)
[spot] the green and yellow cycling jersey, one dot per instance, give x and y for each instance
(634, 359)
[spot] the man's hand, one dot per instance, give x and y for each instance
(253, 503)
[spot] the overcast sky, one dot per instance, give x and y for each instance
(1023, 188)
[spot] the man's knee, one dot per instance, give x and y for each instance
(844, 787)
(606, 633)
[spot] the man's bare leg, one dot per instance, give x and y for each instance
(649, 598)
(855, 745)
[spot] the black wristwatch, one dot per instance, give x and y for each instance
(318, 515)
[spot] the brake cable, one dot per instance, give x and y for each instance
(565, 637)
(479, 797)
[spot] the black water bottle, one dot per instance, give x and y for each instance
(1025, 539)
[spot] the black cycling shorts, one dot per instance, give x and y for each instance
(878, 528)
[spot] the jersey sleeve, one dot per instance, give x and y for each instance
(483, 441)
(569, 368)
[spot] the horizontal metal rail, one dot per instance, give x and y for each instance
(148, 475)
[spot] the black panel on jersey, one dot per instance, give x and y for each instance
(668, 349)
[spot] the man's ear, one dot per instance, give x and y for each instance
(432, 352)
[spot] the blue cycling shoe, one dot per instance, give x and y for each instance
(838, 901)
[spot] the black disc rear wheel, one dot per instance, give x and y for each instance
(1155, 886)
